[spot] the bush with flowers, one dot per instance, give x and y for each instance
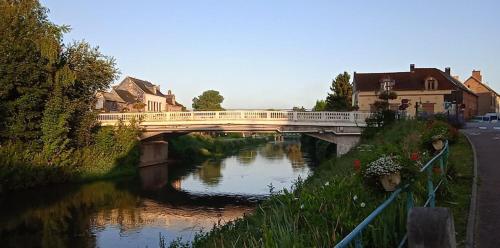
(385, 165)
(438, 130)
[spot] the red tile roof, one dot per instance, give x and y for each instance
(411, 80)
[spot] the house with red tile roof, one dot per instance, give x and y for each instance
(428, 90)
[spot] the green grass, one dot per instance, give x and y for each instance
(458, 193)
(321, 210)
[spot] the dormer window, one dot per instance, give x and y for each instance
(431, 84)
(387, 84)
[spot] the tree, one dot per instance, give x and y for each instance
(30, 46)
(209, 100)
(44, 85)
(341, 97)
(93, 72)
(320, 105)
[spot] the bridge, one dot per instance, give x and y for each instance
(340, 128)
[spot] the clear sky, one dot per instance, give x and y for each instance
(280, 54)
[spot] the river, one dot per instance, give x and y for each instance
(174, 200)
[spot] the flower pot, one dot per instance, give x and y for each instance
(390, 182)
(438, 144)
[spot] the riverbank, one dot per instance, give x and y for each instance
(321, 210)
(194, 145)
(113, 153)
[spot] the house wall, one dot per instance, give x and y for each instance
(110, 106)
(436, 97)
(99, 104)
(487, 100)
(470, 102)
(173, 108)
(154, 103)
(131, 87)
(497, 106)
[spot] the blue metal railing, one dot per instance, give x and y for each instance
(356, 234)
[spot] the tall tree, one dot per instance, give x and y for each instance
(29, 48)
(340, 99)
(209, 100)
(93, 72)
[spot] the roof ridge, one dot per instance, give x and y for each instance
(456, 82)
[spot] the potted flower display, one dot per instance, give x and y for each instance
(387, 170)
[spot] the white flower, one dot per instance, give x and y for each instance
(362, 204)
(301, 206)
(295, 198)
(327, 183)
(355, 197)
(385, 165)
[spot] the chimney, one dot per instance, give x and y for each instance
(477, 75)
(447, 70)
(412, 67)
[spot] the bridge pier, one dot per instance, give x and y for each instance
(153, 152)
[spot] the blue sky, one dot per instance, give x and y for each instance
(280, 54)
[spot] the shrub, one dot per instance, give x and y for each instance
(435, 128)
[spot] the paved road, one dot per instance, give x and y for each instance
(486, 140)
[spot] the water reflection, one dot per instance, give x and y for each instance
(132, 213)
(210, 172)
(154, 177)
(250, 172)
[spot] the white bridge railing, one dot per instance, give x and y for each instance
(238, 117)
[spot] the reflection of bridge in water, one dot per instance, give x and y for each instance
(340, 128)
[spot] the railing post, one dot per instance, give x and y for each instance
(430, 188)
(409, 200)
(358, 241)
(295, 116)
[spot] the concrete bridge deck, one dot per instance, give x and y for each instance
(239, 118)
(340, 128)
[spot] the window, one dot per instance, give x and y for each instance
(387, 84)
(431, 84)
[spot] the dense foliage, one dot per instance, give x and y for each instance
(320, 105)
(201, 145)
(209, 100)
(47, 90)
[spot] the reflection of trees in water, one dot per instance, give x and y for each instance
(210, 172)
(247, 156)
(295, 155)
(59, 218)
(272, 151)
(292, 151)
